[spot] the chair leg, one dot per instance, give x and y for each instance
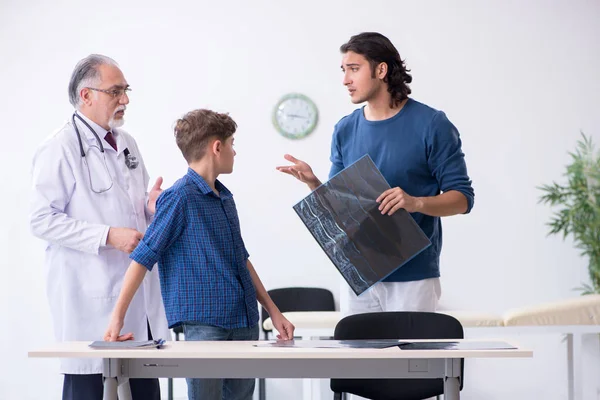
(338, 396)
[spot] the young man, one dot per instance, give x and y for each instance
(207, 281)
(418, 151)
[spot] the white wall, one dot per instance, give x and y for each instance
(519, 79)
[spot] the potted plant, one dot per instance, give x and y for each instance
(579, 207)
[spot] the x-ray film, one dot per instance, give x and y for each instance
(343, 217)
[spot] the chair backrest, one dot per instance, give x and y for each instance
(300, 299)
(396, 325)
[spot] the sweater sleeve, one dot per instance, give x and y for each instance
(337, 163)
(446, 159)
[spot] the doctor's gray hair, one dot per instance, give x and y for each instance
(86, 74)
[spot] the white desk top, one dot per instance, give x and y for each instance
(247, 350)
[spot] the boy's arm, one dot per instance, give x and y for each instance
(133, 279)
(167, 226)
(283, 326)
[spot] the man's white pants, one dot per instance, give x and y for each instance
(420, 295)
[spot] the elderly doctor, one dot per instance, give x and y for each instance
(90, 204)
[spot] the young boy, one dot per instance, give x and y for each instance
(208, 284)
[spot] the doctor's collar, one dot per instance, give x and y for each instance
(100, 131)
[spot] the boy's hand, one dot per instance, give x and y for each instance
(301, 171)
(112, 333)
(283, 326)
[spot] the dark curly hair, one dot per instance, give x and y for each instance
(377, 49)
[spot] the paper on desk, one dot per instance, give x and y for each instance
(354, 344)
(128, 344)
(384, 343)
(468, 345)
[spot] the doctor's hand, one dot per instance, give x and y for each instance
(301, 171)
(112, 333)
(153, 194)
(124, 239)
(395, 198)
(283, 326)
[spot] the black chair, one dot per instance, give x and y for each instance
(395, 325)
(295, 299)
(298, 299)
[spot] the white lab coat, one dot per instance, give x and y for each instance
(84, 275)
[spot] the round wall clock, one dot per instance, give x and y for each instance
(295, 116)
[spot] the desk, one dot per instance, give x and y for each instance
(574, 317)
(229, 359)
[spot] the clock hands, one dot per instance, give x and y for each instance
(296, 116)
(292, 115)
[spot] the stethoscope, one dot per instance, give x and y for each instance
(130, 160)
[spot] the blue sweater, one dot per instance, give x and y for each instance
(418, 150)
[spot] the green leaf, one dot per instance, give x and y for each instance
(579, 201)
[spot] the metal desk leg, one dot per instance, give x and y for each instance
(123, 389)
(116, 387)
(170, 380)
(110, 389)
(452, 388)
(574, 370)
(110, 368)
(452, 379)
(306, 389)
(309, 385)
(306, 382)
(262, 383)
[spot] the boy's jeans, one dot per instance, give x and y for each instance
(219, 389)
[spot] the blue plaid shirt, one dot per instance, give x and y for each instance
(195, 238)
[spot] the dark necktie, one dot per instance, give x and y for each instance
(111, 140)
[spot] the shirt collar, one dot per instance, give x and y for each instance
(224, 193)
(100, 131)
